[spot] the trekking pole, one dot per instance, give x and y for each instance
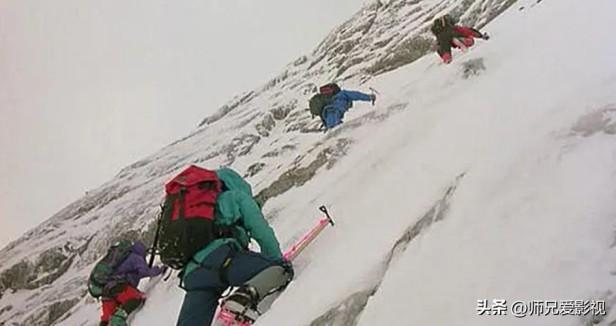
(299, 246)
(374, 90)
(154, 250)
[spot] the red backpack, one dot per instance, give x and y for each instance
(329, 89)
(187, 220)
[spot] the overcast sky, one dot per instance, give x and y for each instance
(88, 87)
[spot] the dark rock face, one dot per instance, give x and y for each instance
(227, 108)
(404, 53)
(25, 275)
(254, 169)
(347, 313)
(602, 120)
(59, 308)
(16, 277)
(298, 175)
(266, 125)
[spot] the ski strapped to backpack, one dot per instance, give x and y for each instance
(320, 100)
(187, 218)
(102, 279)
(228, 318)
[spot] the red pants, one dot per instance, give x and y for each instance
(467, 41)
(445, 40)
(127, 295)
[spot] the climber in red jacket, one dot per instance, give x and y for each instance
(449, 35)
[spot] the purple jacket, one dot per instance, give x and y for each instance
(134, 268)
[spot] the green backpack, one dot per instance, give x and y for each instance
(101, 280)
(322, 98)
(318, 102)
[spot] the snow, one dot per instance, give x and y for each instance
(530, 216)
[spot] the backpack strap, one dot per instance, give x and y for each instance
(182, 219)
(182, 198)
(224, 268)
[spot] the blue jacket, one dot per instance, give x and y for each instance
(334, 111)
(134, 267)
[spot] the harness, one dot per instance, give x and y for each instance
(222, 270)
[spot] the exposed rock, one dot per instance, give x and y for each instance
(347, 312)
(240, 146)
(254, 169)
(282, 111)
(49, 314)
(278, 152)
(16, 277)
(298, 176)
(266, 125)
(51, 264)
(37, 318)
(225, 109)
(403, 54)
(59, 308)
(301, 60)
(5, 309)
(601, 120)
(50, 260)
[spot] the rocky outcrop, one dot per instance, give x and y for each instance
(49, 266)
(299, 175)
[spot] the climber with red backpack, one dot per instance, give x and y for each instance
(449, 34)
(331, 103)
(206, 225)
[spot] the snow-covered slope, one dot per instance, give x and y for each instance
(490, 178)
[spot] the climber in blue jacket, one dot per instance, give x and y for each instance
(334, 111)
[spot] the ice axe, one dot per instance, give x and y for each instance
(374, 91)
(227, 318)
(299, 246)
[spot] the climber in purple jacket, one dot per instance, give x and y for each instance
(134, 268)
(127, 297)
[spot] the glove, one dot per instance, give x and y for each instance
(372, 98)
(288, 267)
(485, 36)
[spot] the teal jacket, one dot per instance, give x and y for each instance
(236, 207)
